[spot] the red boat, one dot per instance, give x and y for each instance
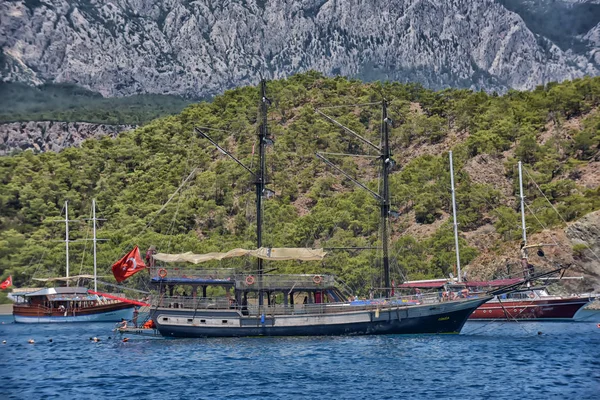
(523, 304)
(535, 304)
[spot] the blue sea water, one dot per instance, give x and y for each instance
(486, 361)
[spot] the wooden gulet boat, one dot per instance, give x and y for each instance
(530, 303)
(70, 304)
(535, 304)
(325, 310)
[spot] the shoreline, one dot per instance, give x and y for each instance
(6, 309)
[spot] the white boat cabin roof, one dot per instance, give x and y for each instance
(57, 290)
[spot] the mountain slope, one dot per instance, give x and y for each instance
(554, 130)
(199, 48)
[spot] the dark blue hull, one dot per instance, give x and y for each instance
(426, 320)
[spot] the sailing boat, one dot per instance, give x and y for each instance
(70, 304)
(325, 310)
(530, 303)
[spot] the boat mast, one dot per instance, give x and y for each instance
(260, 181)
(383, 197)
(94, 241)
(386, 163)
(67, 236)
(522, 196)
(454, 217)
(524, 257)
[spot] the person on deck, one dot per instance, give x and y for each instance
(233, 303)
(135, 317)
(149, 256)
(122, 324)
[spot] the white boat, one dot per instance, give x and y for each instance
(69, 304)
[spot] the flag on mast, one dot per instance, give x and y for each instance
(7, 283)
(130, 264)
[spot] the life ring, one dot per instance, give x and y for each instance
(531, 295)
(249, 280)
(317, 279)
(162, 273)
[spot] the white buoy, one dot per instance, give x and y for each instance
(31, 341)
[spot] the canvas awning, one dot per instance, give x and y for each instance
(266, 253)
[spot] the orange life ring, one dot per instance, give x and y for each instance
(317, 279)
(249, 280)
(162, 273)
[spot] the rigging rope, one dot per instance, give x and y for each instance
(87, 235)
(557, 213)
(352, 105)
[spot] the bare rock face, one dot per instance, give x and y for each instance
(585, 238)
(44, 136)
(593, 36)
(200, 48)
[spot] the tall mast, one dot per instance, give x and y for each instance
(522, 196)
(524, 262)
(67, 236)
(94, 241)
(454, 216)
(386, 164)
(260, 181)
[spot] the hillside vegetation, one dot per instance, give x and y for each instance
(72, 103)
(554, 130)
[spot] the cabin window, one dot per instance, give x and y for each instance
(165, 319)
(202, 321)
(224, 321)
(190, 320)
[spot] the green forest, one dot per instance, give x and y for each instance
(210, 199)
(71, 103)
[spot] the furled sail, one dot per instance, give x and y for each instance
(266, 253)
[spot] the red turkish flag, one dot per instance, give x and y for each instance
(7, 283)
(130, 264)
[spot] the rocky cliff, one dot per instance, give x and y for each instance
(585, 237)
(51, 136)
(199, 48)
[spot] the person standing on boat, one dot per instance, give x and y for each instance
(122, 324)
(135, 317)
(149, 259)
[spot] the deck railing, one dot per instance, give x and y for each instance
(290, 282)
(247, 281)
(197, 273)
(252, 309)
